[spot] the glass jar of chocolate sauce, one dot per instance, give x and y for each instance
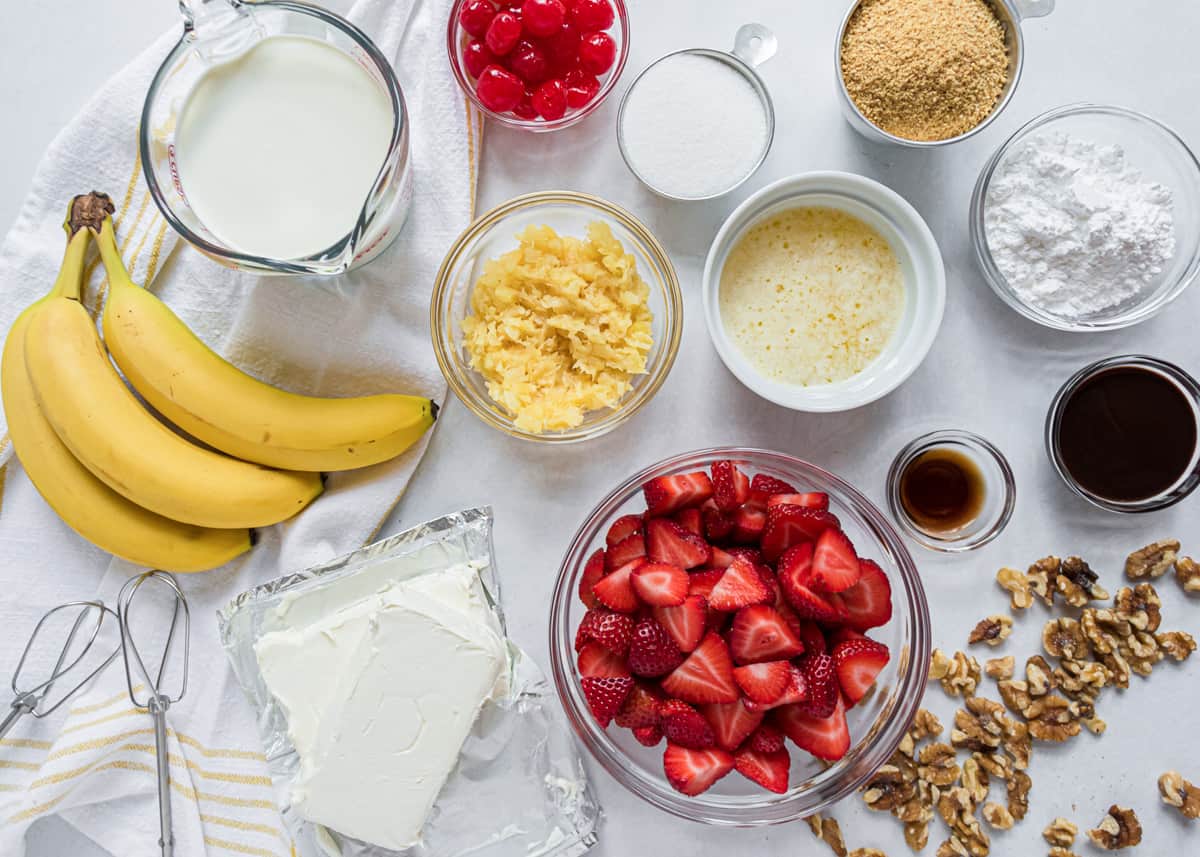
(1123, 433)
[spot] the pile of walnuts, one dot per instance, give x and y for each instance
(1053, 700)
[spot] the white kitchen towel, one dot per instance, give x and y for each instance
(93, 763)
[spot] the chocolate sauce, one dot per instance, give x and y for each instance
(942, 490)
(1127, 434)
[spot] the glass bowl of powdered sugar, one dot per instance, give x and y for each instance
(1088, 218)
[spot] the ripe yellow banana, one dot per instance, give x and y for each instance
(121, 443)
(213, 400)
(87, 505)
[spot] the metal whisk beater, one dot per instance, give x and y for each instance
(157, 701)
(89, 619)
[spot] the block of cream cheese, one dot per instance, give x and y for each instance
(380, 691)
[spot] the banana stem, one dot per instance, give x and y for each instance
(69, 283)
(106, 240)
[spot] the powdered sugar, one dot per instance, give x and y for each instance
(1075, 229)
(693, 126)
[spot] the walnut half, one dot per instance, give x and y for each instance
(1061, 832)
(1187, 572)
(1119, 829)
(1153, 560)
(1179, 793)
(993, 630)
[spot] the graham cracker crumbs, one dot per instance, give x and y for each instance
(925, 69)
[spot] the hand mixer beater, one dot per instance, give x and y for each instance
(154, 696)
(79, 651)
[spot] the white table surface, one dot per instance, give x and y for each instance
(990, 371)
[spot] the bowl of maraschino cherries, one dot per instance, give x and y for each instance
(539, 65)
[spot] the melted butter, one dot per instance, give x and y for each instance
(811, 295)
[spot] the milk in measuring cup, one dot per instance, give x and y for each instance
(277, 149)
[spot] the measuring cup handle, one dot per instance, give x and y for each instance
(754, 44)
(1033, 8)
(198, 13)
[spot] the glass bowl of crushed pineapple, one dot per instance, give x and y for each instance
(556, 316)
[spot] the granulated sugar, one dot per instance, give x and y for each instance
(1074, 228)
(693, 126)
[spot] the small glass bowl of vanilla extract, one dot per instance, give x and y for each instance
(1123, 433)
(951, 491)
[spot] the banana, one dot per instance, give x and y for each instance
(211, 399)
(123, 445)
(87, 505)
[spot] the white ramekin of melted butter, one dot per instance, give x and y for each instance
(824, 291)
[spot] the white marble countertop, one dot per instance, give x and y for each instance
(990, 371)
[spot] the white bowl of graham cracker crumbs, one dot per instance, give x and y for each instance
(926, 73)
(824, 291)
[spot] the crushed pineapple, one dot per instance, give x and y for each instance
(559, 326)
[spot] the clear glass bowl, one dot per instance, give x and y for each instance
(1188, 386)
(457, 37)
(876, 724)
(1000, 491)
(1151, 147)
(495, 233)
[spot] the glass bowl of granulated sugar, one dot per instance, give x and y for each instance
(1088, 218)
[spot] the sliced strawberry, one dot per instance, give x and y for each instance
(694, 771)
(643, 706)
(789, 615)
(794, 690)
(763, 682)
(825, 737)
(732, 722)
(748, 525)
(691, 520)
(702, 582)
(595, 661)
(858, 663)
(622, 528)
(668, 542)
(769, 770)
(766, 739)
(605, 696)
(835, 565)
(648, 736)
(764, 484)
(718, 525)
(625, 551)
(841, 635)
(791, 525)
(685, 623)
(593, 570)
(684, 725)
(609, 629)
(740, 586)
(759, 633)
(666, 495)
(615, 590)
(706, 675)
(720, 558)
(820, 676)
(752, 554)
(660, 585)
(652, 652)
(731, 487)
(811, 500)
(795, 573)
(812, 637)
(869, 602)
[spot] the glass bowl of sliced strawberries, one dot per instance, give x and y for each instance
(739, 637)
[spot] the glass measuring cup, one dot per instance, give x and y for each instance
(216, 31)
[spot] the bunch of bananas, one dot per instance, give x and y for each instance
(128, 482)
